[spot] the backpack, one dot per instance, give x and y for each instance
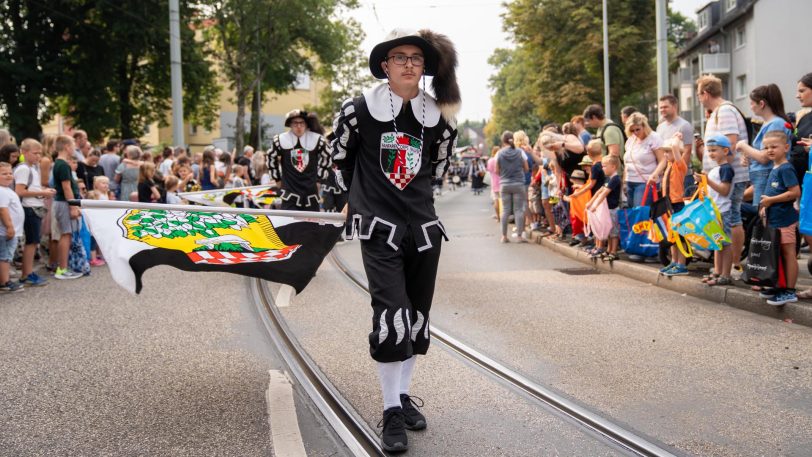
(748, 122)
(609, 124)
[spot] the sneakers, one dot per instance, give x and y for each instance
(667, 267)
(97, 262)
(768, 293)
(64, 273)
(393, 436)
(412, 418)
(11, 287)
(783, 297)
(34, 280)
(677, 270)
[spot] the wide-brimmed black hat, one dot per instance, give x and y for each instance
(400, 37)
(293, 114)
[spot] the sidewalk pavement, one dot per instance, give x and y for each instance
(738, 295)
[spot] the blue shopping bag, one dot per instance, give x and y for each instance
(806, 204)
(700, 222)
(635, 224)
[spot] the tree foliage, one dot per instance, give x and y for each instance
(272, 42)
(557, 67)
(346, 77)
(103, 63)
(119, 75)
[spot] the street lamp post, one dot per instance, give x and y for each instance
(175, 61)
(606, 95)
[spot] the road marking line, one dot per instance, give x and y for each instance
(283, 296)
(285, 435)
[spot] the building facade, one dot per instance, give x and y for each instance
(745, 43)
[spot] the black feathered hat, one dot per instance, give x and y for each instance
(440, 62)
(304, 115)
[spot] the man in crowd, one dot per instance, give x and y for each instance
(82, 145)
(725, 119)
(610, 133)
(109, 162)
(29, 188)
(671, 123)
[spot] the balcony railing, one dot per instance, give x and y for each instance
(715, 63)
(686, 76)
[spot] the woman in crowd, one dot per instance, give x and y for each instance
(127, 173)
(644, 158)
(511, 165)
(765, 102)
(567, 151)
(208, 174)
(800, 151)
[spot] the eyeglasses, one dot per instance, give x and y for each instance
(401, 59)
(298, 123)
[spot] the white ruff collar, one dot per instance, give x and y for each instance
(377, 99)
(309, 140)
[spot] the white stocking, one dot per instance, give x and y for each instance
(389, 374)
(406, 374)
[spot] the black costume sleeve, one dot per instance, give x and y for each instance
(345, 144)
(443, 149)
(325, 160)
(273, 161)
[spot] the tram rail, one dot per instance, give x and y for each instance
(361, 439)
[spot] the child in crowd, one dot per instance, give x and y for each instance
(147, 190)
(187, 180)
(239, 177)
(597, 178)
(11, 227)
(720, 179)
(101, 189)
(172, 183)
(674, 190)
(777, 204)
(607, 249)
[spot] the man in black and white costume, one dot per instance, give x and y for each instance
(389, 145)
(299, 159)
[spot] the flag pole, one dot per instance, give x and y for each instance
(214, 191)
(115, 204)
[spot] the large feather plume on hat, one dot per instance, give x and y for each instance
(446, 90)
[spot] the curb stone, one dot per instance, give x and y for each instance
(798, 313)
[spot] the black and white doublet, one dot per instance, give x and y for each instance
(388, 174)
(299, 163)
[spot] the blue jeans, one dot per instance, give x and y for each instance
(758, 179)
(634, 193)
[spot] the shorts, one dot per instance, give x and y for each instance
(677, 207)
(726, 225)
(736, 196)
(7, 248)
(615, 232)
(32, 227)
(788, 234)
(61, 223)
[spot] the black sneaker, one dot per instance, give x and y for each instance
(393, 436)
(413, 419)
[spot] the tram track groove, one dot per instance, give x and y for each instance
(613, 432)
(351, 428)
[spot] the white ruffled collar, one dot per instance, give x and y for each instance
(377, 99)
(308, 141)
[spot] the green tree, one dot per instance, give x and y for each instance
(118, 80)
(272, 42)
(34, 44)
(559, 58)
(346, 77)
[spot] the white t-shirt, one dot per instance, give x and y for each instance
(722, 201)
(666, 130)
(10, 200)
(166, 167)
(640, 159)
(22, 174)
(725, 120)
(173, 199)
(265, 179)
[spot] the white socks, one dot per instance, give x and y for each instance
(395, 379)
(389, 374)
(406, 374)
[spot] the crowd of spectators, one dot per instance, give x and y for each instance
(629, 164)
(38, 179)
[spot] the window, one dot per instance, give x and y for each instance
(192, 129)
(703, 19)
(741, 37)
(741, 86)
(730, 4)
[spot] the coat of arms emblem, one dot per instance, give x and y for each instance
(401, 156)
